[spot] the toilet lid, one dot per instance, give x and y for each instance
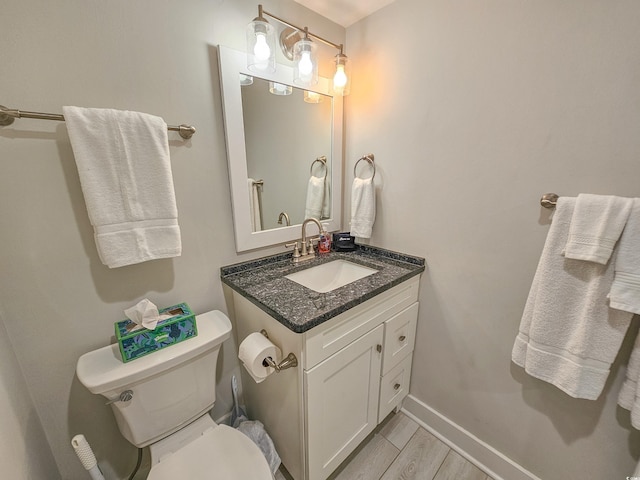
(220, 453)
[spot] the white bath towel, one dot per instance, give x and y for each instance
(625, 295)
(255, 206)
(629, 396)
(125, 173)
(363, 207)
(625, 291)
(568, 335)
(315, 197)
(598, 221)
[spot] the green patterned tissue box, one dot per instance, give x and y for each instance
(135, 343)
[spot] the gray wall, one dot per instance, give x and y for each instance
(24, 451)
(56, 298)
(473, 110)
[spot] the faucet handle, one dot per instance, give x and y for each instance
(296, 251)
(311, 243)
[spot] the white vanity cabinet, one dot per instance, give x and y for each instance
(353, 370)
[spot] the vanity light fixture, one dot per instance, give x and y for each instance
(261, 55)
(301, 50)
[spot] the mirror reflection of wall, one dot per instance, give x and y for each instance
(284, 134)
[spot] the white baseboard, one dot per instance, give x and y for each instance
(481, 454)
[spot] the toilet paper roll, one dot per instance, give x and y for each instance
(252, 352)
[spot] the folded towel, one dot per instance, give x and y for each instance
(625, 291)
(255, 210)
(363, 207)
(568, 335)
(596, 226)
(315, 197)
(125, 173)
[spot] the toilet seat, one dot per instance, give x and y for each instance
(221, 452)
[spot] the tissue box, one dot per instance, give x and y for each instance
(137, 343)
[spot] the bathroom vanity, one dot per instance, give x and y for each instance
(353, 343)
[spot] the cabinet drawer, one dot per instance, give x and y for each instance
(399, 337)
(326, 339)
(394, 386)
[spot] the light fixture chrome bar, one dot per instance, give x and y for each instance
(339, 47)
(7, 116)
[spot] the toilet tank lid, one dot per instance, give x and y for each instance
(103, 370)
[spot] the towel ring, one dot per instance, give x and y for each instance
(369, 158)
(323, 161)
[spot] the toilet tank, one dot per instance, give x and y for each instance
(170, 387)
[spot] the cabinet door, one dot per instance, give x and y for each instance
(342, 403)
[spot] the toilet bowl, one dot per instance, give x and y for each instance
(162, 401)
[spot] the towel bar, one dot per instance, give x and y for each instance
(8, 115)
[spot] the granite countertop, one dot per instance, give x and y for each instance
(263, 282)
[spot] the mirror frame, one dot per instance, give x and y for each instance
(231, 64)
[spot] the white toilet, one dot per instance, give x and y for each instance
(163, 400)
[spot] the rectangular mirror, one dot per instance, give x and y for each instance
(281, 141)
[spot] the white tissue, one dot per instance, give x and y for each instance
(145, 314)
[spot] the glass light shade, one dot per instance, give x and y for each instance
(261, 43)
(342, 76)
(305, 63)
(280, 89)
(246, 80)
(312, 97)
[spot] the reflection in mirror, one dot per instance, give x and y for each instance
(284, 152)
(292, 180)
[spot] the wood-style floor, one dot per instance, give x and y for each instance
(399, 449)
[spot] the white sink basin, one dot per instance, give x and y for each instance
(331, 275)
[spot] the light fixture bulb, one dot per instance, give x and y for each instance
(261, 50)
(340, 78)
(305, 66)
(305, 63)
(261, 46)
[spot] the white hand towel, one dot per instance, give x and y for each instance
(326, 201)
(363, 207)
(596, 226)
(125, 173)
(254, 205)
(315, 197)
(568, 335)
(625, 291)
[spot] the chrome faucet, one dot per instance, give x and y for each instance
(306, 251)
(284, 215)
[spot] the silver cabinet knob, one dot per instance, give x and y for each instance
(396, 386)
(402, 338)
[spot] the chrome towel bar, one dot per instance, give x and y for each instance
(8, 115)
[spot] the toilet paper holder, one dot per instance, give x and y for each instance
(289, 361)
